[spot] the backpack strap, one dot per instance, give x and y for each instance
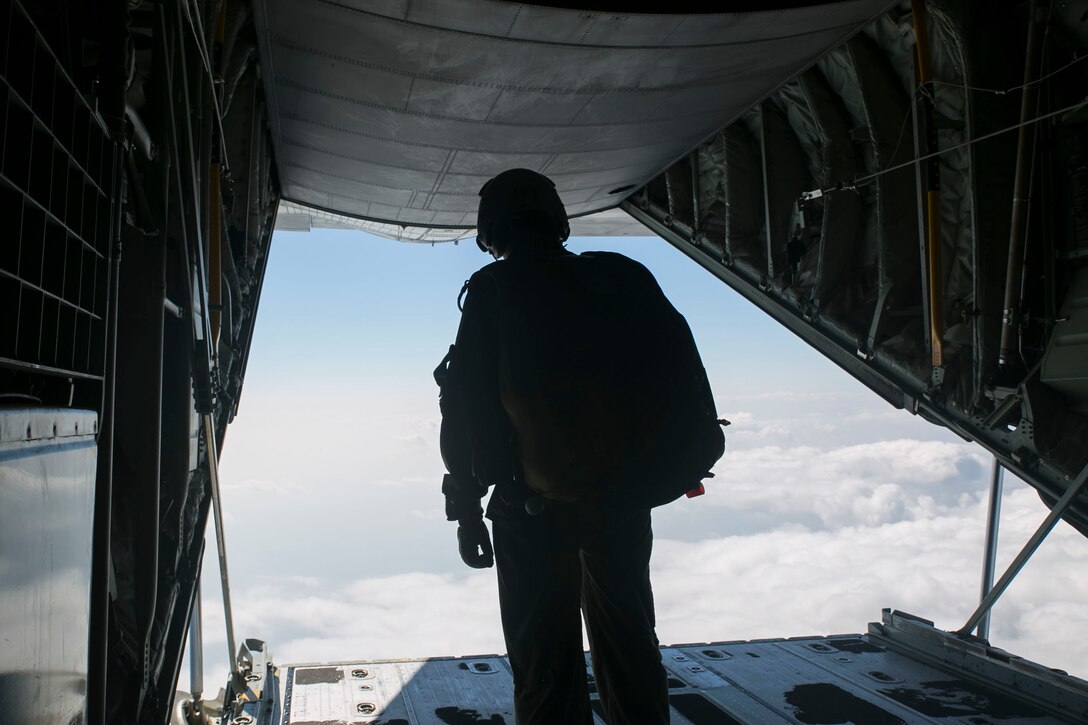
(441, 373)
(461, 296)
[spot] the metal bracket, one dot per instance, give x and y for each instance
(936, 378)
(878, 318)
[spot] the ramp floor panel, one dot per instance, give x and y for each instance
(835, 679)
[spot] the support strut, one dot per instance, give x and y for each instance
(993, 522)
(220, 544)
(1075, 487)
(196, 652)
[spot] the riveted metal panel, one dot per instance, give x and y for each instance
(47, 473)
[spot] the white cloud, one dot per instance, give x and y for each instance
(861, 484)
(825, 509)
(401, 616)
(788, 582)
(794, 396)
(278, 487)
(828, 506)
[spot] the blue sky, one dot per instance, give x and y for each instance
(828, 505)
(345, 301)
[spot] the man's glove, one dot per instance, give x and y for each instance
(474, 543)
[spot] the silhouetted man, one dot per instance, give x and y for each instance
(575, 389)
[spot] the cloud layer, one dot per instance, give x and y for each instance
(775, 584)
(825, 509)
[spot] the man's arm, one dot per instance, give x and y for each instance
(471, 415)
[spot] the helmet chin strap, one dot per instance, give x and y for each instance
(502, 240)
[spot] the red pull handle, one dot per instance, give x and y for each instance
(697, 491)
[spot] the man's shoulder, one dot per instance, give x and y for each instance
(609, 257)
(487, 270)
(620, 266)
(485, 278)
(513, 275)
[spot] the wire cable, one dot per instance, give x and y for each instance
(923, 91)
(1013, 89)
(870, 178)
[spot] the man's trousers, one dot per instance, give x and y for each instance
(549, 566)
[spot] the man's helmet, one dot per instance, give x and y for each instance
(519, 195)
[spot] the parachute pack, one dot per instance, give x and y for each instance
(600, 379)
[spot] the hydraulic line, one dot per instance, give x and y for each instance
(215, 255)
(201, 327)
(1008, 354)
(215, 208)
(934, 284)
(766, 190)
(197, 29)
